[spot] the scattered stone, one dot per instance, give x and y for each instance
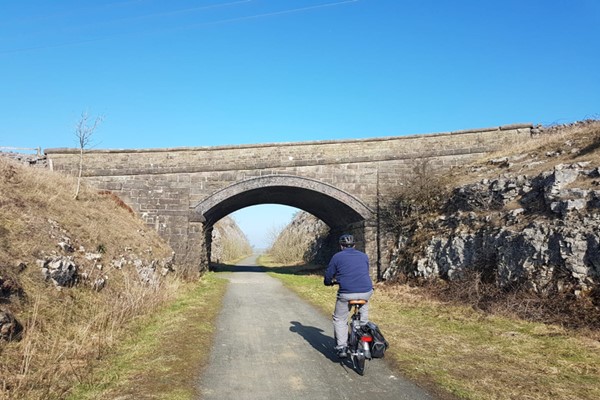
(62, 271)
(594, 173)
(118, 264)
(21, 267)
(10, 327)
(9, 288)
(148, 275)
(518, 157)
(93, 256)
(66, 246)
(99, 284)
(565, 207)
(513, 216)
(500, 162)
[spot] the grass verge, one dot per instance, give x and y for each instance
(165, 351)
(467, 353)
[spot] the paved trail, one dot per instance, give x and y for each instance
(270, 344)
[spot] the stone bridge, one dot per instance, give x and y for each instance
(182, 192)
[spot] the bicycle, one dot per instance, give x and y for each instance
(359, 341)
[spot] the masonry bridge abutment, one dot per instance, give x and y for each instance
(182, 192)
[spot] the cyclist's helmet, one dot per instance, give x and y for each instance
(346, 240)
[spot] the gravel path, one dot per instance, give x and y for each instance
(270, 344)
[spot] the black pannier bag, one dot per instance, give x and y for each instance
(379, 345)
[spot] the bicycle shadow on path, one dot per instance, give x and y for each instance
(314, 336)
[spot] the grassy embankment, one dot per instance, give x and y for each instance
(131, 339)
(165, 351)
(468, 353)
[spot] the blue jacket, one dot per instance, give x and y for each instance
(350, 268)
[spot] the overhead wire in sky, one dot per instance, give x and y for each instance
(186, 27)
(275, 13)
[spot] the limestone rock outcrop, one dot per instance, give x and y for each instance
(228, 241)
(540, 232)
(302, 240)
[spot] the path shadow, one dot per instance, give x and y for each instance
(235, 268)
(303, 269)
(315, 337)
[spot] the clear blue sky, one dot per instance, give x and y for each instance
(218, 72)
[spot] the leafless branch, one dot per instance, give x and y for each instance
(84, 132)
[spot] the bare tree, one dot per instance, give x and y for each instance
(84, 131)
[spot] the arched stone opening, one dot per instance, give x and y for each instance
(341, 211)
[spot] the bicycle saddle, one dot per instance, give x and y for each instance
(358, 302)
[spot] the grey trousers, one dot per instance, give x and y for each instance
(340, 315)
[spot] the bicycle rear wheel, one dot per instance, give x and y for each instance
(360, 362)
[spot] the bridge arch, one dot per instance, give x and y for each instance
(341, 211)
(333, 206)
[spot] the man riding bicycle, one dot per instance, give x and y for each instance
(350, 269)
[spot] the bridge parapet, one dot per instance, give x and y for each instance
(274, 156)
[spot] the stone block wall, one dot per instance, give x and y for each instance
(164, 186)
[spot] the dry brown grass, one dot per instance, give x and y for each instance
(164, 354)
(577, 143)
(288, 247)
(455, 350)
(234, 250)
(230, 244)
(564, 144)
(578, 314)
(294, 245)
(574, 143)
(67, 330)
(35, 209)
(482, 356)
